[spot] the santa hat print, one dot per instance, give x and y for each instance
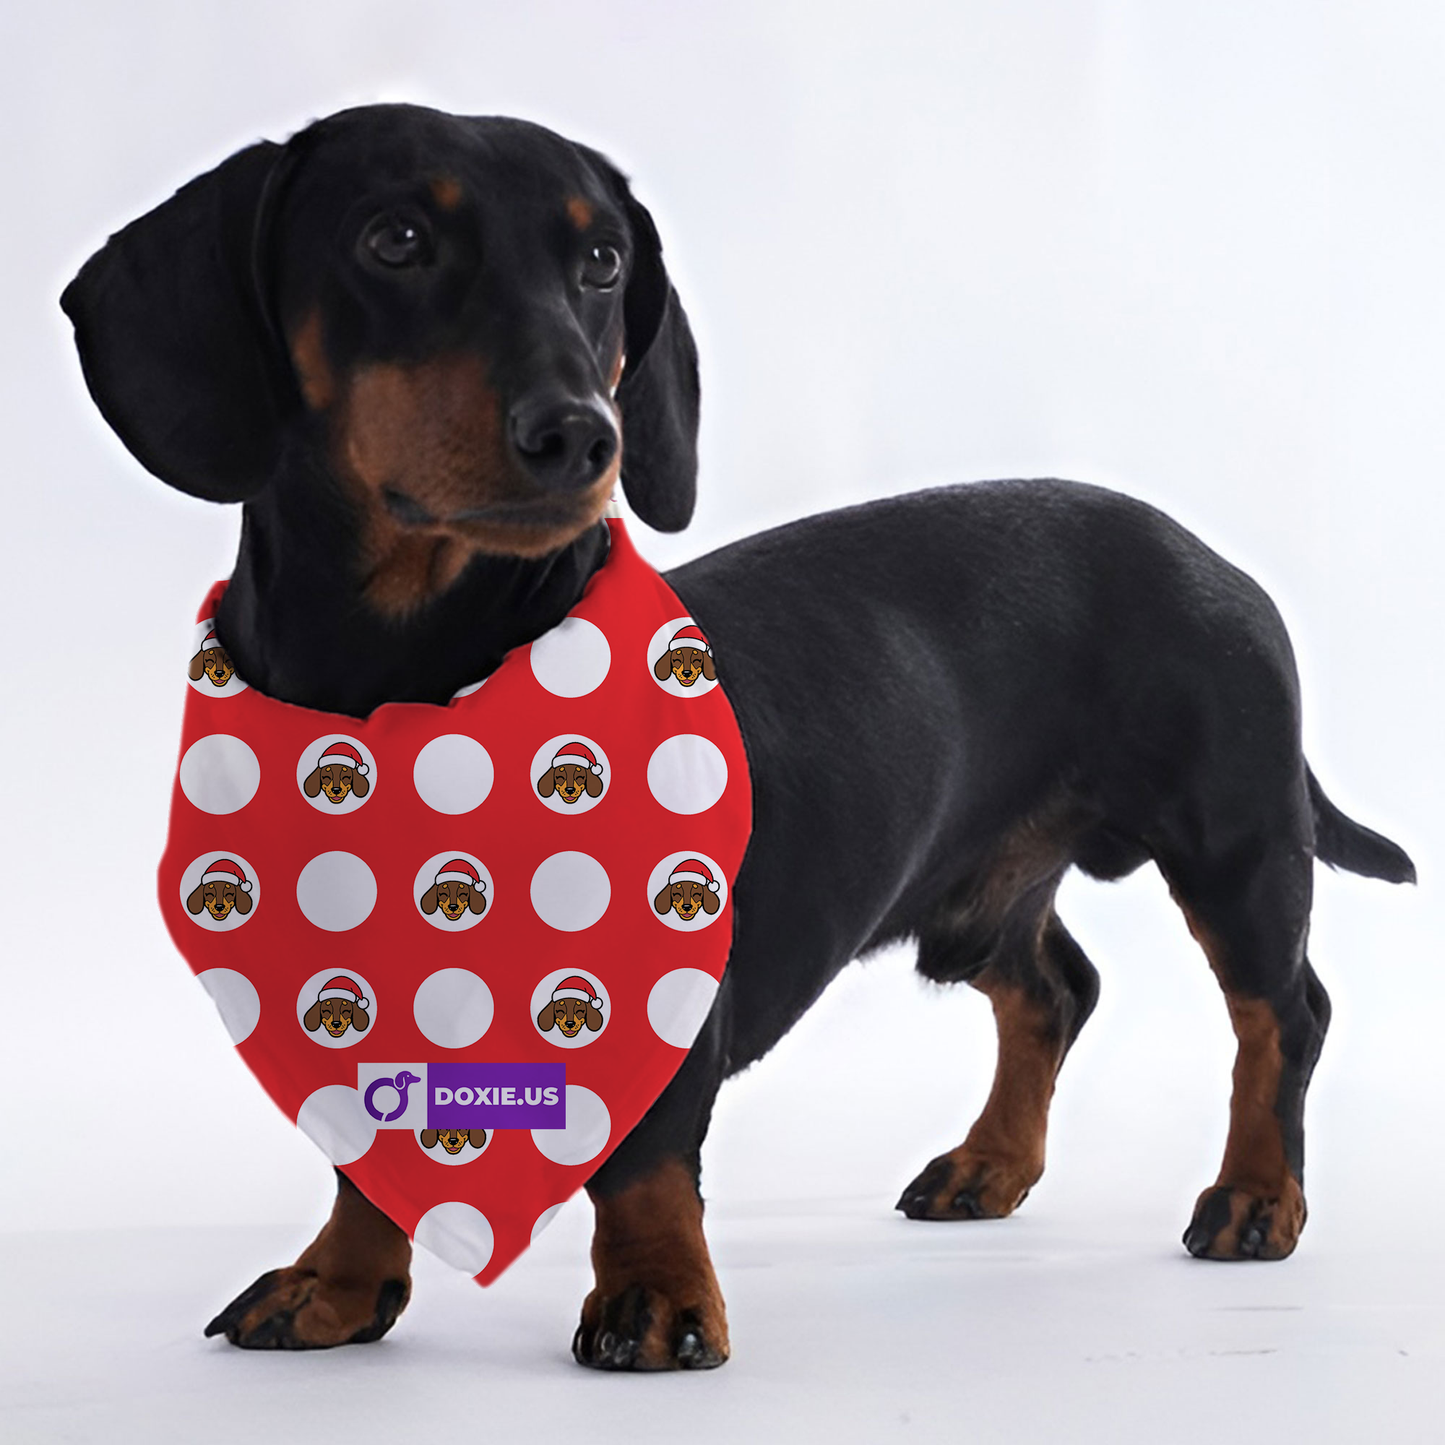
(458, 870)
(694, 870)
(343, 988)
(226, 870)
(576, 987)
(210, 641)
(580, 756)
(690, 636)
(343, 753)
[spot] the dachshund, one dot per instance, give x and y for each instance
(411, 343)
(339, 771)
(688, 657)
(223, 886)
(575, 772)
(340, 1005)
(573, 1005)
(453, 1141)
(211, 661)
(689, 887)
(457, 891)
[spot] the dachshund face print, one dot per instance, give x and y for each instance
(453, 891)
(211, 670)
(214, 664)
(685, 898)
(571, 1009)
(687, 891)
(218, 892)
(570, 774)
(336, 774)
(682, 660)
(457, 890)
(340, 1005)
(453, 1140)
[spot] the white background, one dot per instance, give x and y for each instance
(1192, 250)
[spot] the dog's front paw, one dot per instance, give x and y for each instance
(295, 1309)
(642, 1329)
(1239, 1224)
(965, 1184)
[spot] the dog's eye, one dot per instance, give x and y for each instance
(601, 267)
(398, 240)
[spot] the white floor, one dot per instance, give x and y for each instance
(849, 1324)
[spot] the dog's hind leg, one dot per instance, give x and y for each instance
(1042, 989)
(1249, 910)
(347, 1288)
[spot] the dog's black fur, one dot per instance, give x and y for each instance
(947, 699)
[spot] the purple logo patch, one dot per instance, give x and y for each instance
(496, 1096)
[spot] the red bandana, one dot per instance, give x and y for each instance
(466, 947)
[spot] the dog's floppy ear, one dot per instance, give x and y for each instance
(197, 667)
(312, 1017)
(710, 903)
(476, 899)
(176, 348)
(360, 783)
(312, 786)
(658, 394)
(429, 900)
(547, 783)
(428, 1138)
(709, 667)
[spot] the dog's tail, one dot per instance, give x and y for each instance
(1343, 843)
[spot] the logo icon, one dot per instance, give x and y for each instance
(399, 1084)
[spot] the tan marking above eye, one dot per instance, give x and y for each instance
(446, 192)
(579, 212)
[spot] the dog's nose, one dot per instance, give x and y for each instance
(565, 443)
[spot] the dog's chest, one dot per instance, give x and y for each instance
(466, 947)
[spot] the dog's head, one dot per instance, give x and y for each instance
(453, 1141)
(569, 1016)
(453, 900)
(212, 662)
(336, 1015)
(221, 893)
(685, 898)
(686, 664)
(465, 322)
(334, 781)
(569, 781)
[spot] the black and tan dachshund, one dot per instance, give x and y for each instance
(422, 349)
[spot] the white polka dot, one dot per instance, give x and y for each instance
(235, 998)
(220, 774)
(458, 1233)
(453, 773)
(570, 891)
(687, 773)
(336, 1121)
(589, 1126)
(543, 1220)
(453, 1008)
(572, 658)
(679, 1004)
(336, 891)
